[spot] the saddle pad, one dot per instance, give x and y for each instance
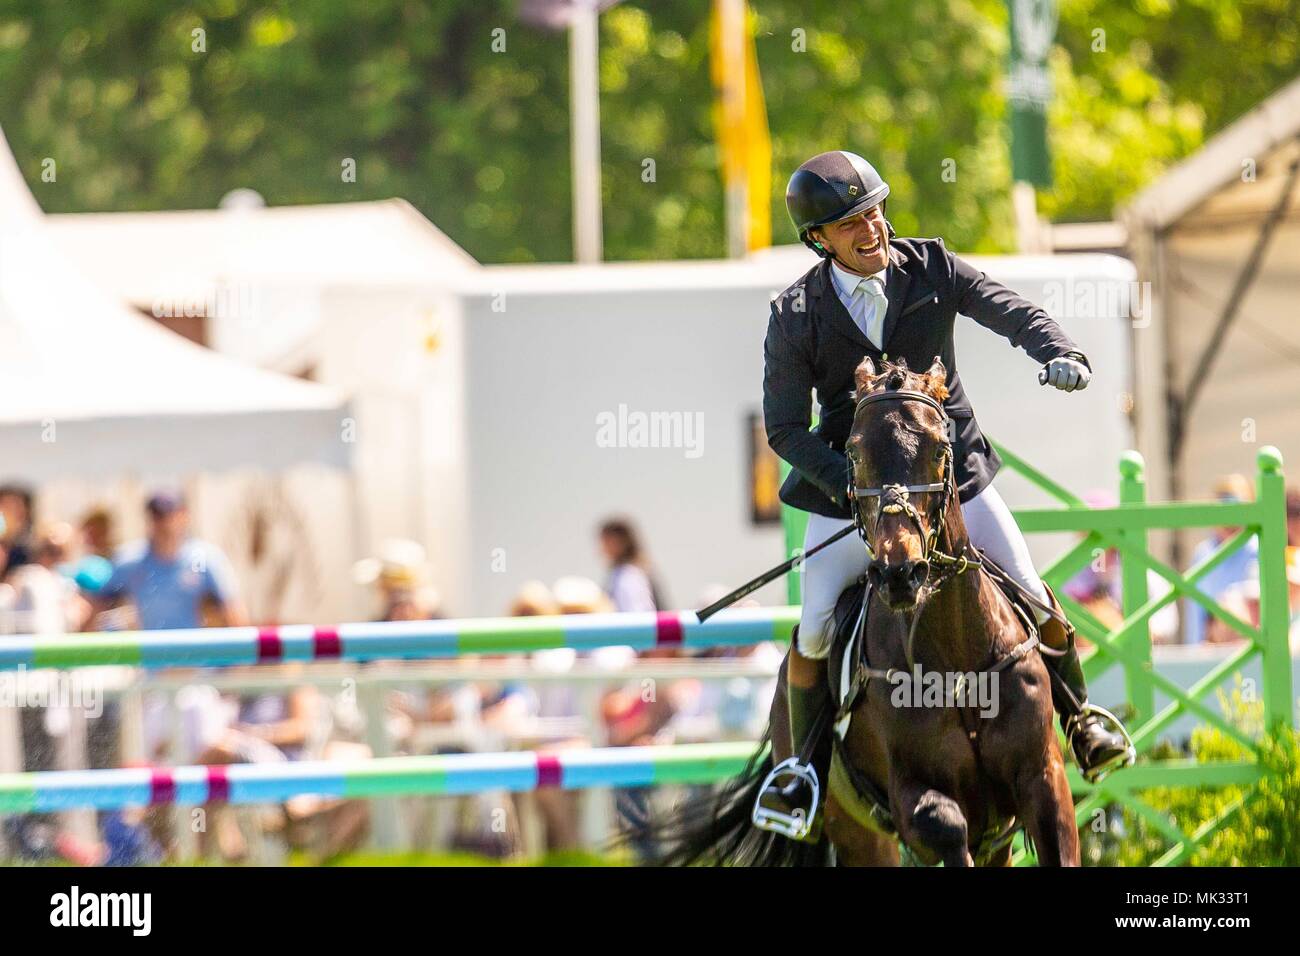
(846, 672)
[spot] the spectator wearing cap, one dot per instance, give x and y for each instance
(1241, 566)
(169, 575)
(400, 574)
(534, 599)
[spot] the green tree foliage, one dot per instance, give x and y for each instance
(1142, 83)
(431, 107)
(283, 95)
(915, 90)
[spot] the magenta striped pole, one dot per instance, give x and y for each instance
(227, 646)
(389, 776)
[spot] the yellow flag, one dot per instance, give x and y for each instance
(740, 118)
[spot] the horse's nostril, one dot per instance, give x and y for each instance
(920, 571)
(874, 575)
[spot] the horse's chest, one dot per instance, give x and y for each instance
(932, 739)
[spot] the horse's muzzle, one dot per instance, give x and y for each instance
(899, 585)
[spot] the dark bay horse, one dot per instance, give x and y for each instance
(952, 774)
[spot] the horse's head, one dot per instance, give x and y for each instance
(901, 459)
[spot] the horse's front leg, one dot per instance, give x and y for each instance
(1047, 809)
(931, 823)
(855, 845)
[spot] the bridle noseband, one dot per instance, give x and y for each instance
(894, 497)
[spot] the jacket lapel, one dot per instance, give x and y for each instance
(897, 283)
(823, 288)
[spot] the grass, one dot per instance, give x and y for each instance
(568, 858)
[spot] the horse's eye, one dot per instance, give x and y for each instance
(938, 453)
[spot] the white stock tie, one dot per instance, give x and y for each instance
(875, 305)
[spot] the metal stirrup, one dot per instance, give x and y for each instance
(793, 825)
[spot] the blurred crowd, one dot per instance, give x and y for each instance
(1232, 582)
(62, 578)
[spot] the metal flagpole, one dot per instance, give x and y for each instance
(1029, 92)
(584, 118)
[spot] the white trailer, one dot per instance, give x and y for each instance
(561, 364)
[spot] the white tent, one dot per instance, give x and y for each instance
(184, 255)
(1218, 359)
(265, 282)
(89, 388)
(361, 294)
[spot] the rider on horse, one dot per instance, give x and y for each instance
(877, 295)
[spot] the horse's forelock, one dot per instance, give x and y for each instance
(896, 376)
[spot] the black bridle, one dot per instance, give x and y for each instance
(894, 497)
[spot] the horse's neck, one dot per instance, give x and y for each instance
(956, 623)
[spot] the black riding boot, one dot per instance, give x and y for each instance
(1095, 735)
(788, 802)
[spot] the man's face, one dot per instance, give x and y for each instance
(170, 525)
(860, 242)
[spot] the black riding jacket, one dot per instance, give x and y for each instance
(813, 343)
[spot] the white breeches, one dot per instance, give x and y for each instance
(826, 574)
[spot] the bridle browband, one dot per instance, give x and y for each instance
(894, 498)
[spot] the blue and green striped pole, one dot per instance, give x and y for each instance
(228, 646)
(447, 774)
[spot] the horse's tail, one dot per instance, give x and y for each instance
(716, 829)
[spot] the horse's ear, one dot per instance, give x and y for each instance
(936, 380)
(865, 376)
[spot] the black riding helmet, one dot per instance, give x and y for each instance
(831, 186)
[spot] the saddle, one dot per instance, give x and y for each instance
(860, 797)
